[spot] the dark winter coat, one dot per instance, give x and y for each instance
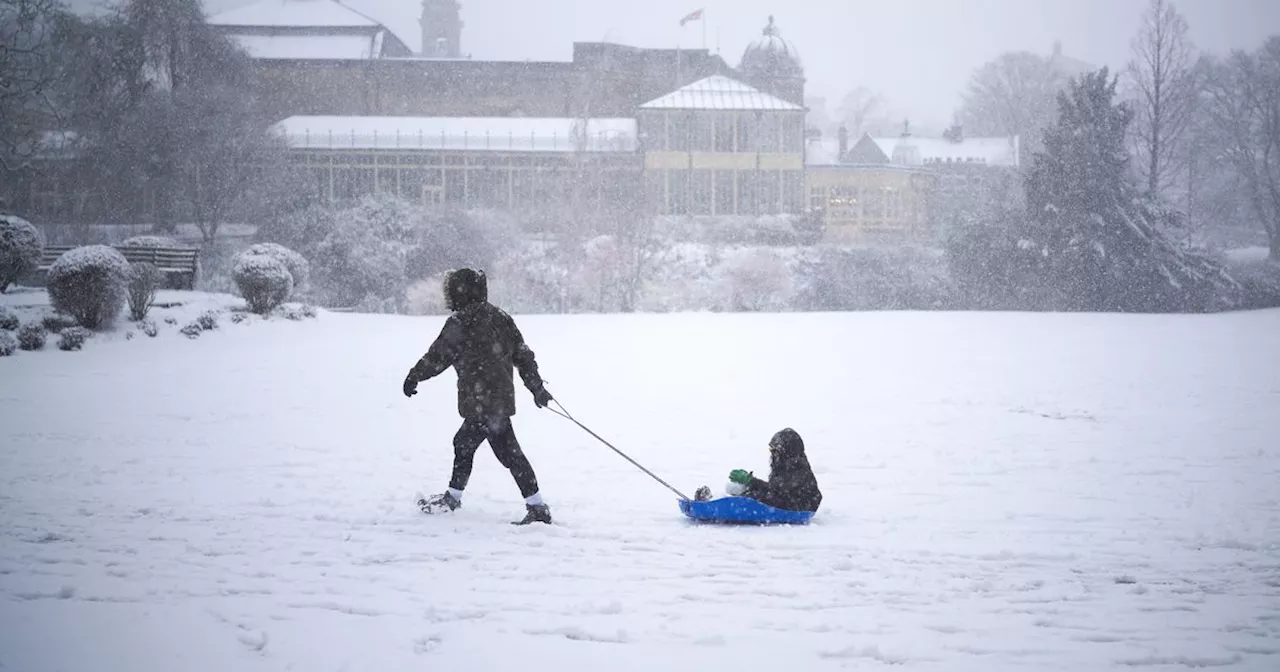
(791, 485)
(482, 343)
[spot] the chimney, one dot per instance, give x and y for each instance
(843, 134)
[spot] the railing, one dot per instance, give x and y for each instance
(605, 141)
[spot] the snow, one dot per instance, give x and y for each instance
(293, 14)
(1002, 491)
(718, 92)
(519, 134)
(323, 47)
(986, 151)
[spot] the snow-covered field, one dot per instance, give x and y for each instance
(1071, 492)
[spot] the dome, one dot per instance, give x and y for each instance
(771, 55)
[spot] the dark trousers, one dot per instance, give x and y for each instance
(502, 439)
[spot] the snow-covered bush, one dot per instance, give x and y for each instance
(73, 338)
(237, 318)
(90, 283)
(192, 330)
(54, 324)
(144, 280)
(298, 266)
(31, 337)
(757, 280)
(150, 241)
(8, 321)
(834, 279)
(208, 320)
(171, 320)
(8, 344)
(148, 327)
(20, 248)
(263, 281)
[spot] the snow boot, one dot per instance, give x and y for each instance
(537, 513)
(442, 503)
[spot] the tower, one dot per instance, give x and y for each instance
(441, 28)
(773, 65)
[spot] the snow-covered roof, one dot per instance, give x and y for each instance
(293, 14)
(987, 151)
(822, 152)
(499, 134)
(718, 92)
(312, 46)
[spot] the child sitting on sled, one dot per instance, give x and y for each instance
(791, 485)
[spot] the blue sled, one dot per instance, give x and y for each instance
(742, 511)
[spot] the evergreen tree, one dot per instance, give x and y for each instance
(1103, 240)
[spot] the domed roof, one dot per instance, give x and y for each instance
(771, 55)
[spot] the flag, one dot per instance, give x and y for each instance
(693, 16)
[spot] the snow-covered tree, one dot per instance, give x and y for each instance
(90, 283)
(20, 249)
(264, 281)
(1014, 94)
(1244, 104)
(1104, 243)
(28, 74)
(1163, 86)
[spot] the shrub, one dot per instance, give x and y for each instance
(8, 344)
(208, 320)
(54, 324)
(148, 327)
(144, 280)
(237, 318)
(90, 283)
(8, 321)
(192, 330)
(170, 320)
(73, 338)
(31, 337)
(20, 249)
(264, 281)
(298, 266)
(309, 311)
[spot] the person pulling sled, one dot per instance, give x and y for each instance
(482, 343)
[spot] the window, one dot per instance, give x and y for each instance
(700, 201)
(655, 185)
(793, 133)
(678, 128)
(769, 130)
(747, 204)
(770, 196)
(724, 132)
(724, 192)
(746, 131)
(701, 140)
(817, 198)
(792, 191)
(678, 191)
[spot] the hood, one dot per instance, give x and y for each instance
(465, 287)
(786, 445)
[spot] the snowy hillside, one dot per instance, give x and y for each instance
(1002, 491)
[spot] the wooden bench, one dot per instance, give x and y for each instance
(180, 265)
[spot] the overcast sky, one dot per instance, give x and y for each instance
(917, 53)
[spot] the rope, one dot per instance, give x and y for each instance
(562, 412)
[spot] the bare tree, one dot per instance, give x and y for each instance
(1015, 94)
(1163, 84)
(860, 109)
(1244, 104)
(27, 75)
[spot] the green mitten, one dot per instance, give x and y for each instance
(740, 476)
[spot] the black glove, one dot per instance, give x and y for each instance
(410, 385)
(542, 397)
